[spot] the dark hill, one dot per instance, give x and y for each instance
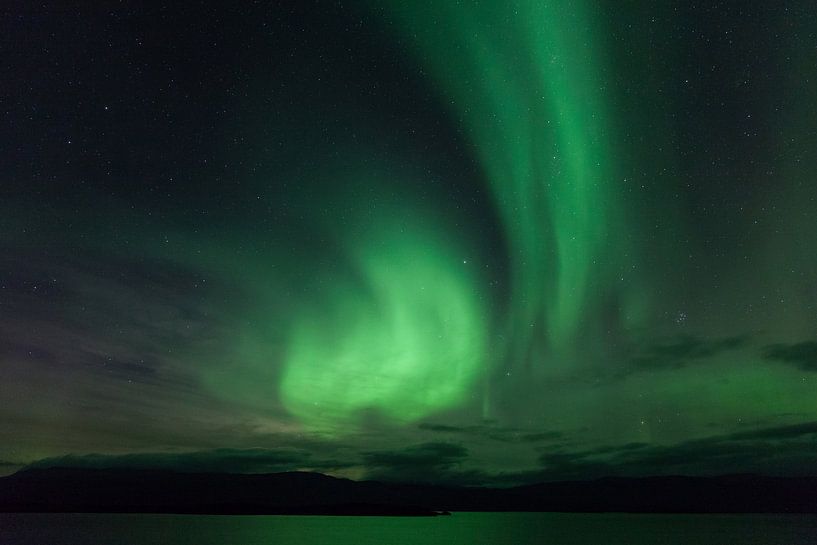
(83, 490)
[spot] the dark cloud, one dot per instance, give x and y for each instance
(677, 352)
(495, 433)
(801, 355)
(208, 461)
(426, 455)
(777, 450)
(541, 436)
(106, 317)
(619, 448)
(444, 428)
(434, 462)
(779, 432)
(783, 450)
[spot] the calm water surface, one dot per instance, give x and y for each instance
(461, 528)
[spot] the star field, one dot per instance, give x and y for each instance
(471, 242)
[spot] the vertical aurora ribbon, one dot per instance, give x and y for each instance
(527, 82)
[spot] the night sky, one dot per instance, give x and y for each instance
(465, 242)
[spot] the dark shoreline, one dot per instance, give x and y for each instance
(59, 490)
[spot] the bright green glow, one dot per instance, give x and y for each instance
(407, 337)
(382, 317)
(406, 343)
(527, 82)
(644, 200)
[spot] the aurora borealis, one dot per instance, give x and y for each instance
(410, 347)
(529, 95)
(471, 242)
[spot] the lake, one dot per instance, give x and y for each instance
(461, 528)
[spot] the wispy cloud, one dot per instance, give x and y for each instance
(801, 355)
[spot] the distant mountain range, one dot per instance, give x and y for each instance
(140, 491)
